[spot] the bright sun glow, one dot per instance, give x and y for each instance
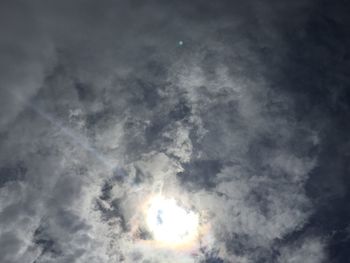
(170, 223)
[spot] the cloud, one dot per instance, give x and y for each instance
(26, 55)
(104, 109)
(309, 250)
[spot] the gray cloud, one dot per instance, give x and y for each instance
(309, 250)
(101, 107)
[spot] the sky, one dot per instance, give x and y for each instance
(238, 110)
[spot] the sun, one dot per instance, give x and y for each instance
(171, 224)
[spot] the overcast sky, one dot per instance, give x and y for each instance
(239, 109)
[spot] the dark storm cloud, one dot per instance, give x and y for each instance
(100, 105)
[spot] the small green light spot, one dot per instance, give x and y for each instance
(181, 43)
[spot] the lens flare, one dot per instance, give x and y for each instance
(170, 223)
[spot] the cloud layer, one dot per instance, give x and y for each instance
(101, 108)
